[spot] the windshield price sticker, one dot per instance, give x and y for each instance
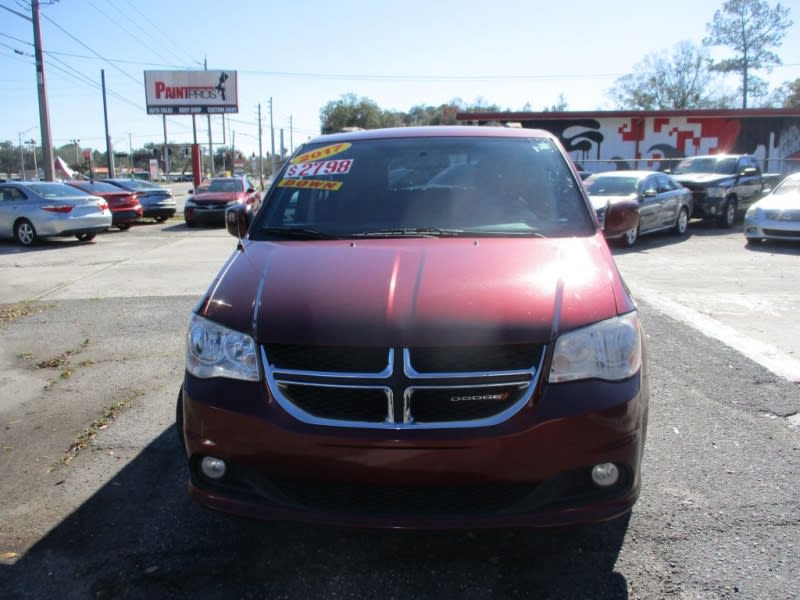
(322, 167)
(320, 153)
(311, 184)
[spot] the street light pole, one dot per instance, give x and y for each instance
(35, 166)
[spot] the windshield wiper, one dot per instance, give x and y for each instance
(410, 232)
(297, 233)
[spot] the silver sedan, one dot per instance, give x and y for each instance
(36, 209)
(777, 215)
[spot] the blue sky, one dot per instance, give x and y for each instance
(305, 53)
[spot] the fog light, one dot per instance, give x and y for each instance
(214, 468)
(605, 475)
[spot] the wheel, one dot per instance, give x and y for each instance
(85, 237)
(728, 216)
(123, 226)
(160, 219)
(190, 223)
(25, 233)
(630, 237)
(682, 222)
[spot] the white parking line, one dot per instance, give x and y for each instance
(768, 356)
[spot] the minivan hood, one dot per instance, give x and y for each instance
(418, 291)
(701, 178)
(216, 197)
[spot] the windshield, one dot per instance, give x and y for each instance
(220, 185)
(98, 187)
(707, 164)
(430, 186)
(599, 185)
(136, 184)
(788, 187)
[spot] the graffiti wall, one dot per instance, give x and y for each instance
(657, 142)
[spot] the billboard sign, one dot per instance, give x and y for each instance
(191, 92)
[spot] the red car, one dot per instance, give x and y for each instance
(421, 328)
(125, 206)
(206, 205)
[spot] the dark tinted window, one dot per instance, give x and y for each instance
(514, 186)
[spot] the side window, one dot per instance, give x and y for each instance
(664, 184)
(650, 183)
(11, 194)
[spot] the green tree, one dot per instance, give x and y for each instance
(792, 89)
(679, 80)
(350, 111)
(752, 28)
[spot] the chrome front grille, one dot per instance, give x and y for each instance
(402, 388)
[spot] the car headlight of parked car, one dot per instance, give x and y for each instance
(754, 212)
(717, 192)
(610, 350)
(213, 350)
(190, 202)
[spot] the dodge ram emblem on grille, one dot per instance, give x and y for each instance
(479, 397)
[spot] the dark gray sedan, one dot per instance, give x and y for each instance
(663, 202)
(37, 209)
(157, 202)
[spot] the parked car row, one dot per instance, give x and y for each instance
(30, 210)
(720, 188)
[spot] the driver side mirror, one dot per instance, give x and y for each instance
(237, 220)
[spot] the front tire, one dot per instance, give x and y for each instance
(728, 216)
(123, 226)
(86, 237)
(25, 233)
(682, 222)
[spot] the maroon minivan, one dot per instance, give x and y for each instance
(420, 328)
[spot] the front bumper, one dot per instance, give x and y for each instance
(202, 215)
(770, 229)
(707, 207)
(532, 470)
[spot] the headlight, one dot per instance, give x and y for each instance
(216, 351)
(717, 192)
(753, 213)
(609, 350)
(189, 202)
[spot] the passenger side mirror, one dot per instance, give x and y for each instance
(649, 193)
(621, 216)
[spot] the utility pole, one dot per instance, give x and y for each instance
(260, 152)
(291, 135)
(77, 144)
(272, 141)
(109, 149)
(210, 145)
(166, 146)
(44, 115)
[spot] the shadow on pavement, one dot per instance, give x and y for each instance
(140, 536)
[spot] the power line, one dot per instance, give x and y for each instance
(91, 50)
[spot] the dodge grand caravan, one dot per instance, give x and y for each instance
(419, 328)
